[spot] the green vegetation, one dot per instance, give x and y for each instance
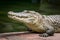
(50, 7)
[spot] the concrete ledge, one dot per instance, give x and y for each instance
(14, 33)
(27, 36)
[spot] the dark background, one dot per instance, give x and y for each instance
(47, 7)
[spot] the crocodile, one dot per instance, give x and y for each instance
(47, 25)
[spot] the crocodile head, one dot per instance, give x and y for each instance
(25, 16)
(31, 18)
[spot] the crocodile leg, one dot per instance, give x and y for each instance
(49, 32)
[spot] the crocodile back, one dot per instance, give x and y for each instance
(55, 22)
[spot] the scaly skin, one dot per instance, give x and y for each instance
(37, 22)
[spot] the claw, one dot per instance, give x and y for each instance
(44, 35)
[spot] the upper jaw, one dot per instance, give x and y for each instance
(12, 13)
(20, 14)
